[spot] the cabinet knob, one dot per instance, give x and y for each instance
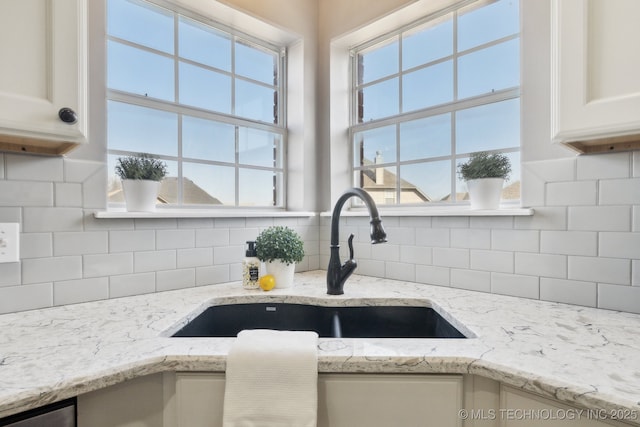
(67, 115)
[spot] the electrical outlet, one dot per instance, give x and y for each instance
(9, 242)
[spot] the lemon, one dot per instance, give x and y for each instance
(267, 282)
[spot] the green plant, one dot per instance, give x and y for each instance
(141, 166)
(485, 165)
(279, 243)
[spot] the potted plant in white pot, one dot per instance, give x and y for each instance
(141, 176)
(485, 174)
(280, 248)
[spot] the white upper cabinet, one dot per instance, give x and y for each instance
(595, 69)
(43, 71)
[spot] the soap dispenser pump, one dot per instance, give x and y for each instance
(250, 267)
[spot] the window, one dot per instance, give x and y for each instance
(206, 99)
(427, 95)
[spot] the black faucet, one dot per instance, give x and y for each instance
(337, 274)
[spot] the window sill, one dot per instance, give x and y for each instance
(202, 213)
(463, 211)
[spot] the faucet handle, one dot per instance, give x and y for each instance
(350, 243)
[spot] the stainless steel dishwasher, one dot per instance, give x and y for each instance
(59, 414)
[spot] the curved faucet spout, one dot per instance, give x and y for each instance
(337, 273)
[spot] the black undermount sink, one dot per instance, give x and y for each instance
(328, 322)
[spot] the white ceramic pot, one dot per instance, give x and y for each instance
(282, 272)
(140, 195)
(485, 193)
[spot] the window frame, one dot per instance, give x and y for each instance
(174, 107)
(355, 125)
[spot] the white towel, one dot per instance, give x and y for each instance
(272, 380)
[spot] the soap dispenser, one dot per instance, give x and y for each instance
(250, 268)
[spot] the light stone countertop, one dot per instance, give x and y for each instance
(579, 355)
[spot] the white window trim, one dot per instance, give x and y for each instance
(341, 111)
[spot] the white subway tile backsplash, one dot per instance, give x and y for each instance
(132, 284)
(107, 264)
(554, 218)
(515, 240)
(10, 274)
(80, 170)
(175, 279)
(600, 218)
(451, 257)
(68, 195)
(492, 261)
(569, 242)
(80, 243)
(239, 236)
(385, 252)
(471, 238)
(235, 272)
(43, 219)
(369, 267)
(23, 193)
(11, 214)
(515, 285)
(229, 222)
(132, 241)
(401, 235)
(25, 297)
(92, 223)
(450, 222)
(400, 271)
(433, 275)
(491, 222)
(636, 163)
(76, 291)
(212, 237)
(93, 193)
(420, 255)
(636, 219)
(543, 265)
(574, 193)
(532, 188)
(620, 245)
(568, 291)
(156, 224)
(635, 272)
(606, 166)
(212, 275)
(471, 280)
(554, 170)
(615, 297)
(197, 257)
(36, 245)
(598, 269)
(228, 254)
(154, 261)
(432, 237)
(620, 191)
(175, 239)
(34, 168)
(1, 166)
(195, 222)
(40, 270)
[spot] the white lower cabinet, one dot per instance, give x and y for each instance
(522, 409)
(344, 400)
(196, 399)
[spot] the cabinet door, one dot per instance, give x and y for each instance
(42, 46)
(344, 400)
(347, 400)
(521, 409)
(596, 90)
